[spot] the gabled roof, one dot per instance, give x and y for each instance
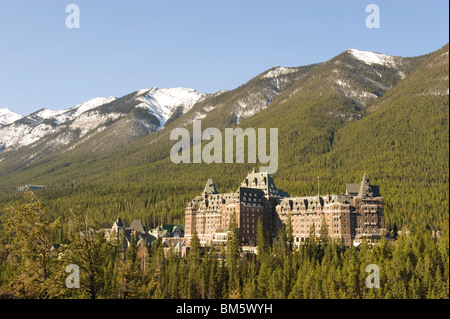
(169, 228)
(140, 237)
(137, 225)
(176, 227)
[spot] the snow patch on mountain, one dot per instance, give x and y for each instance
(34, 134)
(91, 120)
(244, 112)
(163, 102)
(47, 113)
(12, 134)
(145, 125)
(279, 71)
(359, 95)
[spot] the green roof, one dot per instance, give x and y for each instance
(170, 228)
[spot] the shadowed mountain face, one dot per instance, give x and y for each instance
(358, 112)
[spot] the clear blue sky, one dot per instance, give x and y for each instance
(208, 45)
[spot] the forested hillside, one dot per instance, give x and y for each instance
(337, 120)
(398, 137)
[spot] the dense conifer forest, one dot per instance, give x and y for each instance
(401, 141)
(414, 265)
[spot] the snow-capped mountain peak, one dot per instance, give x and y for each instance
(372, 57)
(15, 133)
(7, 116)
(76, 111)
(89, 117)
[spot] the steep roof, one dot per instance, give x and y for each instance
(119, 222)
(169, 228)
(263, 181)
(137, 225)
(363, 189)
(210, 188)
(367, 190)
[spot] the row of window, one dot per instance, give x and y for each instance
(254, 199)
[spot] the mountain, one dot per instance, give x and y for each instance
(7, 116)
(360, 112)
(46, 130)
(112, 124)
(26, 130)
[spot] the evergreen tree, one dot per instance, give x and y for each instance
(311, 246)
(233, 255)
(88, 250)
(131, 252)
(37, 271)
(281, 244)
(324, 236)
(261, 240)
(195, 249)
(289, 232)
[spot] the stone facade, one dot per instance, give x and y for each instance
(350, 217)
(209, 214)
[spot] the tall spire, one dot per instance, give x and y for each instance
(210, 188)
(364, 189)
(365, 178)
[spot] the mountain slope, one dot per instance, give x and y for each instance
(45, 131)
(326, 128)
(26, 130)
(402, 144)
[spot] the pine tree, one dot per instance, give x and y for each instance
(37, 271)
(324, 236)
(261, 240)
(263, 278)
(88, 250)
(195, 249)
(233, 254)
(289, 233)
(311, 247)
(131, 252)
(281, 244)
